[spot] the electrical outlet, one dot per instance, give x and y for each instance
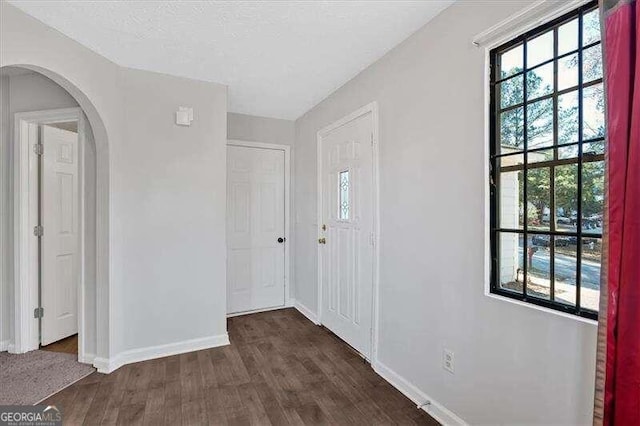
(447, 360)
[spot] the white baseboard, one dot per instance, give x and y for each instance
(4, 345)
(306, 312)
(428, 404)
(108, 365)
(103, 365)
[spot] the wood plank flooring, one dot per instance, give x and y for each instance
(68, 345)
(280, 369)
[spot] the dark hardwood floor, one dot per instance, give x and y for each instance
(279, 369)
(68, 345)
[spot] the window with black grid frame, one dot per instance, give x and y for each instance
(547, 164)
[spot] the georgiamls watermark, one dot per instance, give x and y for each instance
(30, 415)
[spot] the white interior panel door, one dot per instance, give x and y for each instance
(255, 228)
(347, 215)
(60, 249)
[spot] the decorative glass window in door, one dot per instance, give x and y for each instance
(343, 191)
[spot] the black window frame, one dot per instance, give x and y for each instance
(580, 160)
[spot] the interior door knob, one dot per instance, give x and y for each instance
(281, 240)
(322, 241)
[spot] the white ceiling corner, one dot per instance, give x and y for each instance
(278, 58)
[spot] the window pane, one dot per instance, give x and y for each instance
(540, 49)
(590, 27)
(593, 148)
(512, 129)
(570, 151)
(510, 62)
(510, 261)
(540, 124)
(344, 195)
(568, 72)
(538, 267)
(540, 156)
(565, 185)
(568, 37)
(593, 110)
(565, 268)
(511, 91)
(540, 81)
(592, 197)
(568, 118)
(511, 160)
(538, 198)
(592, 63)
(591, 263)
(511, 200)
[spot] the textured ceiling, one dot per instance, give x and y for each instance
(279, 59)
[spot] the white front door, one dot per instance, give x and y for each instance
(60, 249)
(348, 232)
(255, 228)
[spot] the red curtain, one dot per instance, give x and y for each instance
(619, 334)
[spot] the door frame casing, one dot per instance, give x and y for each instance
(288, 300)
(26, 268)
(371, 108)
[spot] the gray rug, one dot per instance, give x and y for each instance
(31, 377)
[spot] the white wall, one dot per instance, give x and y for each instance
(260, 129)
(513, 364)
(173, 258)
(163, 282)
(5, 227)
(90, 291)
(35, 92)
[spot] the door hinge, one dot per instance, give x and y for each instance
(38, 312)
(38, 231)
(373, 239)
(371, 139)
(38, 149)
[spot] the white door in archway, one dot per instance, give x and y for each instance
(60, 249)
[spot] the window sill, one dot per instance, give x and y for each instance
(542, 308)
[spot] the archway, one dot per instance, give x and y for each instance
(100, 327)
